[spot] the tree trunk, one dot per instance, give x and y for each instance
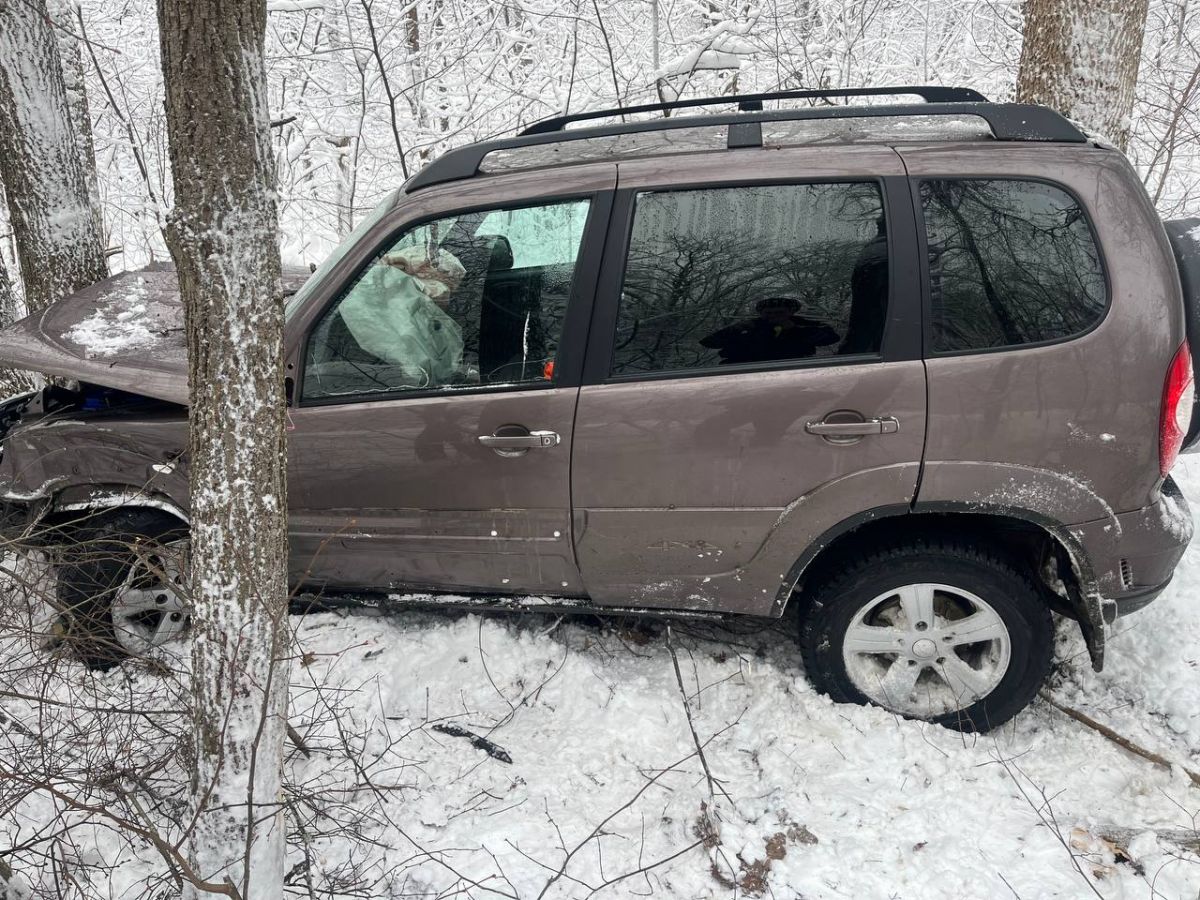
(223, 237)
(339, 125)
(1081, 58)
(56, 224)
(10, 309)
(65, 14)
(12, 381)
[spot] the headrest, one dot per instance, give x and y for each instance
(501, 258)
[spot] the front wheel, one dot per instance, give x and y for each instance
(940, 631)
(121, 584)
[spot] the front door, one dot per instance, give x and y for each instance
(754, 378)
(431, 442)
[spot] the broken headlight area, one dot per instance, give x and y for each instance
(13, 408)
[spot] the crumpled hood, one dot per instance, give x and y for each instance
(125, 332)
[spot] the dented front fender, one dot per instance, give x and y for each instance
(73, 460)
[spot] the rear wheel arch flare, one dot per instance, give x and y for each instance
(1010, 529)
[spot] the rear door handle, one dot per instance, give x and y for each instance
(883, 425)
(533, 441)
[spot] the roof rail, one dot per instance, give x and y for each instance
(1008, 122)
(751, 102)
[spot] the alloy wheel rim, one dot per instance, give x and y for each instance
(926, 650)
(150, 608)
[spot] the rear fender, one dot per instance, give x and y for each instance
(1047, 498)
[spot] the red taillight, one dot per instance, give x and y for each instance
(1178, 392)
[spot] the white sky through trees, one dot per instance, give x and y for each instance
(457, 72)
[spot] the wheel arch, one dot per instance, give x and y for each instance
(1029, 538)
(97, 498)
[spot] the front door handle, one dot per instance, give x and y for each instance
(513, 440)
(882, 425)
(532, 441)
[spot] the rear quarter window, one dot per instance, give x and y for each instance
(1010, 263)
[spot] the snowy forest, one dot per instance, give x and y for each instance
(275, 743)
(363, 94)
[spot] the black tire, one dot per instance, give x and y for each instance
(95, 554)
(1006, 588)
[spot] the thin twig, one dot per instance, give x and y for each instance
(134, 146)
(1047, 818)
(712, 782)
(298, 741)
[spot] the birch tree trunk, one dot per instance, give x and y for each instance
(1081, 58)
(223, 237)
(56, 224)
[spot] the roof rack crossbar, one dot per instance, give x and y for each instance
(754, 102)
(1008, 122)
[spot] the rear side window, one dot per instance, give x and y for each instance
(1010, 263)
(753, 275)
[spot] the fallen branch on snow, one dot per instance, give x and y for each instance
(1184, 838)
(1119, 739)
(713, 784)
(495, 751)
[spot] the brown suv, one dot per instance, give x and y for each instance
(920, 370)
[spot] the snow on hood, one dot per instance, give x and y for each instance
(125, 332)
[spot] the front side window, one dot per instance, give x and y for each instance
(751, 276)
(470, 301)
(1010, 262)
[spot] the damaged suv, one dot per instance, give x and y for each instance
(920, 370)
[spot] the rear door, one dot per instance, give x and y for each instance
(436, 396)
(753, 378)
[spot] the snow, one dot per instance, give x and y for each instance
(812, 798)
(866, 805)
(1176, 517)
(721, 47)
(119, 325)
(294, 5)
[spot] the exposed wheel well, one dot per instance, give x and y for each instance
(65, 519)
(1027, 545)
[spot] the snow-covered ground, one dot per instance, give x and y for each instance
(809, 799)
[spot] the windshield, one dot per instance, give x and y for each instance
(297, 300)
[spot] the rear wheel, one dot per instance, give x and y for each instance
(940, 631)
(122, 584)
